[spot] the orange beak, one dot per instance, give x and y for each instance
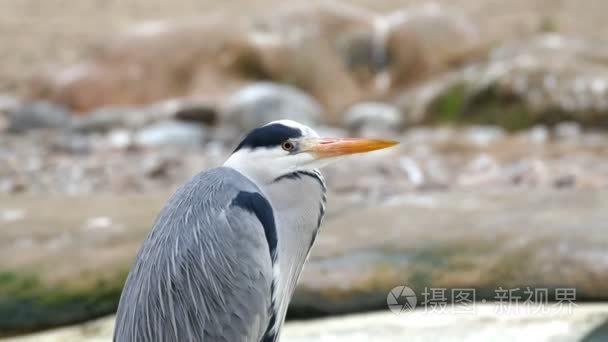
(327, 148)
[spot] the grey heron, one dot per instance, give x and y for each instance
(223, 258)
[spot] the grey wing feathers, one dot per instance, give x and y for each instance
(204, 273)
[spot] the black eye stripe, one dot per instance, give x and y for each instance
(269, 136)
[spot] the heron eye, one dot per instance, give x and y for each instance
(287, 146)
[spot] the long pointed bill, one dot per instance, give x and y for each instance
(327, 148)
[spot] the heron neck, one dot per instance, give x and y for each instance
(298, 200)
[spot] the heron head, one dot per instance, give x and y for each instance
(285, 146)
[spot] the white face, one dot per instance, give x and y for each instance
(268, 163)
(285, 146)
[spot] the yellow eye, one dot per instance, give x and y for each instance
(287, 146)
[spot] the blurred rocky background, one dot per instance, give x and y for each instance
(500, 180)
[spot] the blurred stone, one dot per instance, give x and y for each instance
(342, 54)
(200, 112)
(481, 240)
(538, 134)
(228, 135)
(483, 169)
(73, 143)
(567, 181)
(339, 53)
(38, 115)
(113, 117)
(412, 171)
(417, 101)
(150, 62)
(120, 138)
(373, 118)
(171, 133)
(484, 135)
(568, 130)
(324, 48)
(260, 103)
(11, 215)
(158, 167)
(12, 186)
(544, 79)
(444, 156)
(100, 120)
(424, 40)
(457, 240)
(8, 104)
(3, 123)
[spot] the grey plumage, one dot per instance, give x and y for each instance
(224, 256)
(205, 271)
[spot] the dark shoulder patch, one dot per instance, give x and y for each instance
(258, 205)
(269, 136)
(269, 337)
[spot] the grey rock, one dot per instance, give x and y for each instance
(197, 111)
(484, 135)
(38, 115)
(171, 133)
(8, 104)
(552, 73)
(438, 157)
(543, 79)
(119, 138)
(568, 130)
(180, 108)
(100, 120)
(112, 117)
(227, 135)
(109, 118)
(73, 143)
(260, 103)
(416, 101)
(373, 118)
(538, 134)
(427, 39)
(482, 240)
(3, 123)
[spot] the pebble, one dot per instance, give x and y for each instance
(38, 115)
(439, 159)
(171, 133)
(257, 104)
(373, 119)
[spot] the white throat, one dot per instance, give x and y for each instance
(298, 201)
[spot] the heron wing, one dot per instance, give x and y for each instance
(205, 271)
